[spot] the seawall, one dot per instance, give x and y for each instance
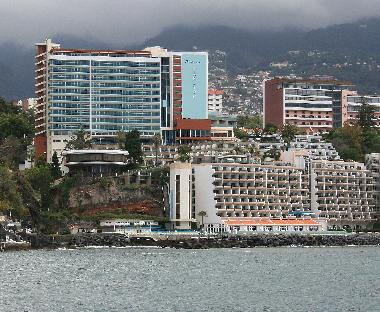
(257, 240)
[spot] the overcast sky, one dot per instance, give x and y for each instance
(123, 22)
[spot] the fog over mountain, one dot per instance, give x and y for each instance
(252, 32)
(130, 21)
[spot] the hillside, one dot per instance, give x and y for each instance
(347, 51)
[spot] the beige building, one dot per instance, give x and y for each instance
(336, 193)
(372, 162)
(342, 192)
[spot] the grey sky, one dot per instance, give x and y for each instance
(126, 22)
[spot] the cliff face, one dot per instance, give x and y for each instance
(117, 195)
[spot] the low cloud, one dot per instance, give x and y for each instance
(123, 22)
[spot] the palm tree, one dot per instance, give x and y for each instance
(202, 214)
(157, 141)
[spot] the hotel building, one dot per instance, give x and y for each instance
(313, 105)
(106, 91)
(372, 162)
(233, 190)
(334, 193)
(342, 192)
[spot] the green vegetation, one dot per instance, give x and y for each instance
(241, 134)
(270, 128)
(55, 167)
(289, 132)
(184, 153)
(273, 153)
(80, 140)
(133, 146)
(354, 140)
(16, 134)
(376, 225)
(157, 141)
(40, 178)
(202, 214)
(10, 197)
(250, 122)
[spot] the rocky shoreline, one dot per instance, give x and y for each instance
(242, 241)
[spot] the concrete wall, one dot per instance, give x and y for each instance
(204, 194)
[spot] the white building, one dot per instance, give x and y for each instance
(215, 100)
(128, 226)
(335, 192)
(342, 192)
(372, 162)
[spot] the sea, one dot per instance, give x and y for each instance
(154, 279)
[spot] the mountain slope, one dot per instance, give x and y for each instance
(352, 43)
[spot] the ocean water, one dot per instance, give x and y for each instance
(150, 279)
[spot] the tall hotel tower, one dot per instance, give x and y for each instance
(106, 91)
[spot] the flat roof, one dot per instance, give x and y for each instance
(268, 222)
(313, 81)
(86, 51)
(95, 151)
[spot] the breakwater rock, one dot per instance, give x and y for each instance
(274, 240)
(236, 241)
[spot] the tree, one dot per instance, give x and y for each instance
(17, 125)
(366, 115)
(120, 139)
(202, 214)
(13, 151)
(55, 167)
(7, 107)
(273, 153)
(134, 148)
(253, 151)
(184, 153)
(40, 178)
(241, 134)
(80, 140)
(289, 132)
(250, 122)
(348, 141)
(270, 128)
(10, 197)
(157, 141)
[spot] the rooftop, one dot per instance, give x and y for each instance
(268, 222)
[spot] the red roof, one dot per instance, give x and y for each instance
(216, 92)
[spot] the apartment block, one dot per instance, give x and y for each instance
(336, 194)
(313, 105)
(215, 100)
(372, 162)
(343, 193)
(315, 147)
(233, 190)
